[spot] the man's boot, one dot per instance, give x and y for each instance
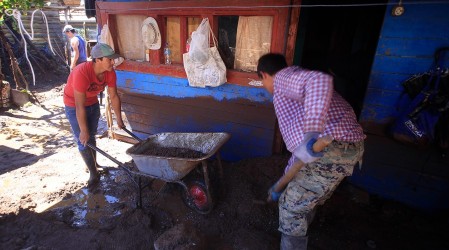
(100, 169)
(293, 242)
(88, 158)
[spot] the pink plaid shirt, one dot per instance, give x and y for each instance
(305, 101)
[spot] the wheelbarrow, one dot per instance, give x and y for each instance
(196, 192)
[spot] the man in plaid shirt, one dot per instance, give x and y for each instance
(307, 107)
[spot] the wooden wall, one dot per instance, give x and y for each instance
(417, 177)
(406, 46)
(155, 104)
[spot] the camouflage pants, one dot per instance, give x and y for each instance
(314, 184)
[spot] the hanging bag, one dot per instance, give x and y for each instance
(420, 111)
(203, 65)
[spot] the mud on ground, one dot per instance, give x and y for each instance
(44, 202)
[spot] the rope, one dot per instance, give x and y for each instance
(18, 16)
(46, 24)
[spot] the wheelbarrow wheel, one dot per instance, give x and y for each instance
(197, 198)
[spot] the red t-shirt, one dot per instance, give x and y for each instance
(84, 80)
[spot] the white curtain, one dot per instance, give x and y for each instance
(129, 36)
(253, 41)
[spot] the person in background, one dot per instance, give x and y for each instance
(78, 46)
(81, 103)
(307, 107)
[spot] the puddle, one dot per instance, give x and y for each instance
(93, 209)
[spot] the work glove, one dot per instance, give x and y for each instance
(273, 195)
(304, 151)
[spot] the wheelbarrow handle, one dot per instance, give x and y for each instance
(127, 170)
(131, 134)
(108, 156)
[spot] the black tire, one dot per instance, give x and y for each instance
(197, 198)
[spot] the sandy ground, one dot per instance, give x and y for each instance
(44, 202)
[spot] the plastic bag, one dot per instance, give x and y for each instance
(204, 67)
(199, 46)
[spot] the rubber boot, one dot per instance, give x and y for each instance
(293, 242)
(100, 169)
(88, 158)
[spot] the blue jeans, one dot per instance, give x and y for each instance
(92, 116)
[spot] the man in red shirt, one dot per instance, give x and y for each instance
(82, 109)
(307, 107)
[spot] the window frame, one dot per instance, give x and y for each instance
(282, 39)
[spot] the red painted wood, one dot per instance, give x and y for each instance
(292, 31)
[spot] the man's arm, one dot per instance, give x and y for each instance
(80, 99)
(317, 98)
(74, 42)
(116, 105)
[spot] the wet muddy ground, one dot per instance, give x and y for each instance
(44, 202)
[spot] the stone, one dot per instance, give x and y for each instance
(19, 98)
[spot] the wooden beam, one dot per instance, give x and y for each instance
(292, 33)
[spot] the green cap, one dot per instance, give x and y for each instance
(103, 50)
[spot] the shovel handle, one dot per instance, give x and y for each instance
(318, 146)
(132, 134)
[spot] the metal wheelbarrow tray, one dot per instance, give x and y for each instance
(196, 193)
(172, 169)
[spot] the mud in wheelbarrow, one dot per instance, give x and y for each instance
(196, 192)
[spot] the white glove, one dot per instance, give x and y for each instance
(304, 151)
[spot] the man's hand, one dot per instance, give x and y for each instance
(316, 146)
(120, 123)
(274, 196)
(84, 137)
(304, 151)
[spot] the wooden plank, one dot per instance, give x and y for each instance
(229, 4)
(205, 110)
(178, 87)
(386, 151)
(406, 47)
(246, 135)
(387, 81)
(204, 101)
(381, 97)
(423, 20)
(402, 65)
(292, 31)
(400, 172)
(377, 114)
(245, 141)
(409, 187)
(437, 167)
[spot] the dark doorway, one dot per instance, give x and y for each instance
(340, 37)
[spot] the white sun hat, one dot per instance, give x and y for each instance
(150, 34)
